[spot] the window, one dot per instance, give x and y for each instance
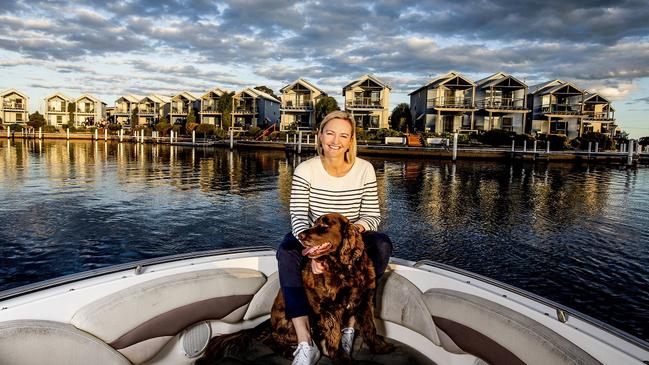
(19, 117)
(59, 119)
(374, 121)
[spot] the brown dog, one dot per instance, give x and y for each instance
(346, 288)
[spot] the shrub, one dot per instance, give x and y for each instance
(253, 131)
(49, 129)
(205, 129)
(521, 138)
(277, 135)
(557, 141)
(497, 137)
(220, 133)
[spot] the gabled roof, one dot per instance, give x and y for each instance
(132, 98)
(595, 98)
(186, 94)
(440, 80)
(305, 83)
(59, 94)
(160, 98)
(216, 90)
(551, 87)
(9, 91)
(94, 99)
(256, 94)
(497, 79)
(363, 78)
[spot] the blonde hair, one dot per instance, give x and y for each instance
(350, 154)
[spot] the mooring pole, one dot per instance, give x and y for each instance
(535, 146)
(194, 137)
(547, 147)
(596, 147)
(589, 145)
(68, 134)
(513, 145)
(454, 146)
(121, 135)
(231, 138)
(40, 132)
(525, 146)
(299, 143)
(630, 154)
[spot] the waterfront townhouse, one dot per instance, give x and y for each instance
(368, 100)
(126, 110)
(182, 105)
(446, 104)
(56, 109)
(151, 108)
(88, 110)
(13, 108)
(502, 103)
(557, 108)
(209, 111)
(254, 108)
(298, 105)
(599, 115)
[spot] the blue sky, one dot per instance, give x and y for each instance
(112, 48)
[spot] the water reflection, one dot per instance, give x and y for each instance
(575, 234)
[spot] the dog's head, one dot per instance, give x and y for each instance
(333, 235)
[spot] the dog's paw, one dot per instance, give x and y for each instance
(381, 347)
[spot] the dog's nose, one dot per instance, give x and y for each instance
(301, 236)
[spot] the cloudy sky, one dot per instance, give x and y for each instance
(165, 46)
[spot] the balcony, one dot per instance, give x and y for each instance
(560, 109)
(209, 109)
(245, 109)
(13, 106)
(600, 117)
(502, 104)
(364, 103)
(461, 103)
(54, 109)
(122, 112)
(302, 105)
(86, 111)
(179, 110)
(144, 110)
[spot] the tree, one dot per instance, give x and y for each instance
(163, 126)
(36, 120)
(191, 117)
(323, 107)
(644, 141)
(71, 108)
(401, 119)
(205, 129)
(267, 90)
(225, 108)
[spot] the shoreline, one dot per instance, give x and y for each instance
(442, 153)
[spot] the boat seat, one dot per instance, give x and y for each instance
(139, 320)
(37, 342)
(498, 334)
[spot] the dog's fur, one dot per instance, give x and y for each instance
(346, 288)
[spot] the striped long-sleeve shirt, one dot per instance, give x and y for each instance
(314, 192)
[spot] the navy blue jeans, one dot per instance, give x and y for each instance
(290, 262)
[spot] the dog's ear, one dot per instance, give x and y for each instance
(353, 245)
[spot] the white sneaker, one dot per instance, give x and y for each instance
(347, 340)
(306, 354)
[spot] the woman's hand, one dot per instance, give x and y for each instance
(360, 228)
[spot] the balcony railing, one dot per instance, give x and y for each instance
(176, 110)
(17, 106)
(365, 102)
(53, 109)
(245, 109)
(122, 111)
(86, 111)
(605, 117)
(143, 111)
(298, 105)
(451, 103)
(563, 109)
(209, 109)
(502, 103)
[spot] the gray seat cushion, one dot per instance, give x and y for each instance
(35, 342)
(528, 340)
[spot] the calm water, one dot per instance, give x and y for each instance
(578, 235)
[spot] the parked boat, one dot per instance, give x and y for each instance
(165, 310)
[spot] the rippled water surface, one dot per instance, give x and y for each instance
(578, 235)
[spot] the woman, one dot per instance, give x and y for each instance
(335, 181)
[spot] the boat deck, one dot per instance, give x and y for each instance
(260, 354)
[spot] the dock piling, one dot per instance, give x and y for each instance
(142, 136)
(596, 147)
(299, 143)
(589, 146)
(121, 135)
(630, 155)
(315, 141)
(513, 145)
(535, 147)
(96, 134)
(40, 132)
(287, 138)
(231, 138)
(194, 137)
(67, 135)
(455, 146)
(8, 132)
(524, 146)
(547, 147)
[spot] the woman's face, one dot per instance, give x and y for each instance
(336, 136)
